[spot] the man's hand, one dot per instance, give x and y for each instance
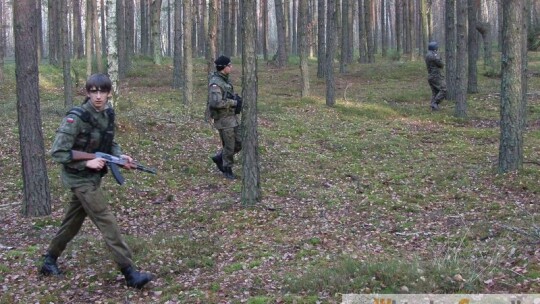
(129, 162)
(96, 163)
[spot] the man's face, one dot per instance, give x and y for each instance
(227, 70)
(98, 98)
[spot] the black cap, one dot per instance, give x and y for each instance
(222, 62)
(433, 46)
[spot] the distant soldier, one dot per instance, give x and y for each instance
(223, 107)
(436, 79)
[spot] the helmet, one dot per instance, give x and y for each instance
(433, 46)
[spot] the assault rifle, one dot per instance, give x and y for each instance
(113, 162)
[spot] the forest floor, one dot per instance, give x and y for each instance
(375, 195)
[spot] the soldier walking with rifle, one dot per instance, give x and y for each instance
(90, 128)
(223, 107)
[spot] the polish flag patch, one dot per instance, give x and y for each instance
(70, 120)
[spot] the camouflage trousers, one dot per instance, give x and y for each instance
(438, 89)
(232, 143)
(88, 200)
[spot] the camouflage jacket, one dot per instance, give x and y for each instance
(75, 133)
(434, 65)
(220, 105)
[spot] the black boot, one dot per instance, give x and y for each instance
(227, 172)
(49, 266)
(218, 160)
(135, 278)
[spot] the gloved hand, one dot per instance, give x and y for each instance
(238, 108)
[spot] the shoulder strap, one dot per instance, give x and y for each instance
(82, 113)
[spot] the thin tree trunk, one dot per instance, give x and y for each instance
(513, 87)
(2, 42)
(321, 39)
(78, 45)
(121, 36)
(330, 53)
(187, 91)
(112, 50)
(211, 43)
(88, 35)
(472, 79)
(66, 56)
(461, 60)
(36, 199)
(156, 30)
(450, 49)
(303, 31)
(178, 51)
(251, 185)
(281, 33)
(99, 40)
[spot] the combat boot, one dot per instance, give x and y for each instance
(228, 173)
(435, 106)
(49, 266)
(218, 160)
(135, 278)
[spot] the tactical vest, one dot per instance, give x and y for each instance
(84, 142)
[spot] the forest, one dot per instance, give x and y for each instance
(348, 182)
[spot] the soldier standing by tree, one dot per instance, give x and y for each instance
(436, 79)
(223, 107)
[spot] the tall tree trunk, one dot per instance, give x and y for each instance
(399, 28)
(2, 41)
(362, 32)
(321, 39)
(178, 48)
(121, 36)
(156, 31)
(99, 40)
(112, 50)
(37, 198)
(66, 56)
(226, 17)
(369, 31)
(187, 91)
(41, 47)
(169, 25)
(130, 32)
(88, 36)
(211, 43)
(344, 37)
(203, 29)
(384, 40)
(294, 28)
(54, 33)
(513, 86)
(264, 34)
(251, 185)
(145, 27)
(472, 83)
(461, 60)
(330, 53)
(450, 48)
(104, 38)
(282, 40)
(303, 36)
(78, 45)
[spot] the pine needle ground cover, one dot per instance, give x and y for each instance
(377, 194)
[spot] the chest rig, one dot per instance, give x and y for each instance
(84, 140)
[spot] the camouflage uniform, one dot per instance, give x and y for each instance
(87, 198)
(222, 111)
(436, 79)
